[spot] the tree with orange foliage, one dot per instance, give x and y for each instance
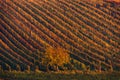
(55, 57)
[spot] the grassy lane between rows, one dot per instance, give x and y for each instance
(66, 75)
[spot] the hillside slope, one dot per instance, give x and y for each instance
(90, 34)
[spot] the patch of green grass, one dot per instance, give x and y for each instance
(59, 76)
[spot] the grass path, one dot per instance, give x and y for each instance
(59, 76)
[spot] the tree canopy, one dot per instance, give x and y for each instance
(55, 57)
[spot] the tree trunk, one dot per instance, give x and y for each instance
(57, 69)
(47, 68)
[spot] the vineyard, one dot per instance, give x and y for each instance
(89, 32)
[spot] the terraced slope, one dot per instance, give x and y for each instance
(91, 35)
